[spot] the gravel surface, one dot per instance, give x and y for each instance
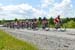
(46, 40)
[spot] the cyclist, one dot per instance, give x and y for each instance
(57, 22)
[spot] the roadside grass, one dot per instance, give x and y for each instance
(8, 42)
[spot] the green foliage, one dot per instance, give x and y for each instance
(39, 22)
(40, 19)
(3, 21)
(15, 19)
(51, 21)
(70, 24)
(51, 26)
(0, 22)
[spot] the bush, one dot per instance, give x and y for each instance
(69, 24)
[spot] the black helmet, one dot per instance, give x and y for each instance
(59, 16)
(44, 18)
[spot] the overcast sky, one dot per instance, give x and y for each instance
(11, 9)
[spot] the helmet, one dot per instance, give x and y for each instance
(58, 17)
(44, 18)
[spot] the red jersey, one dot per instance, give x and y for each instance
(56, 20)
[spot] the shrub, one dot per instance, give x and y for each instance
(69, 24)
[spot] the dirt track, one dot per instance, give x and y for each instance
(46, 40)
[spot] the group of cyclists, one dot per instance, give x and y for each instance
(33, 24)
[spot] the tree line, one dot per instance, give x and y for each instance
(68, 22)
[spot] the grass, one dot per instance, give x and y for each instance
(8, 42)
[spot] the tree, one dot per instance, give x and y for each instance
(51, 21)
(3, 21)
(0, 22)
(65, 20)
(16, 20)
(39, 21)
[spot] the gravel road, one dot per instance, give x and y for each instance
(46, 40)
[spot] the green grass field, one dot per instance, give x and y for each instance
(8, 42)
